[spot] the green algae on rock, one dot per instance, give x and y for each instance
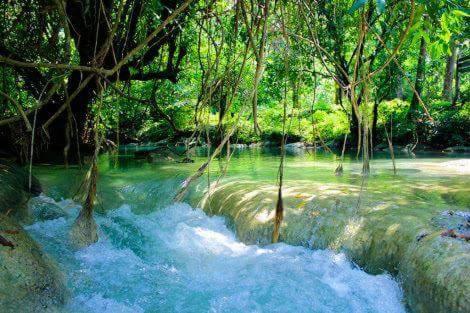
(43, 208)
(437, 267)
(379, 236)
(29, 279)
(14, 191)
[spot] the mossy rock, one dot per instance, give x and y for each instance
(15, 191)
(30, 281)
(460, 198)
(43, 208)
(440, 266)
(382, 236)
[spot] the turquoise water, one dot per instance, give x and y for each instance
(428, 178)
(178, 259)
(155, 256)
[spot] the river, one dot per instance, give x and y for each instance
(156, 256)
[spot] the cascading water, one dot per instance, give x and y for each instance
(178, 259)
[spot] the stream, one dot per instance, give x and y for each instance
(155, 256)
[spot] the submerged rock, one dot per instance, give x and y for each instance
(455, 224)
(29, 280)
(44, 208)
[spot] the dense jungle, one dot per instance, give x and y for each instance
(234, 156)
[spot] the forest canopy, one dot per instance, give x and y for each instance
(78, 75)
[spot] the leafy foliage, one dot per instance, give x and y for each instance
(201, 75)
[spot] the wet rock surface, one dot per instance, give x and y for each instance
(378, 236)
(463, 149)
(455, 224)
(43, 208)
(30, 281)
(15, 191)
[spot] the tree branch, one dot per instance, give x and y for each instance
(20, 110)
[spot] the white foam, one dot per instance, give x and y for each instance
(180, 260)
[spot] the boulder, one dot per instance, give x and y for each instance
(44, 208)
(30, 281)
(379, 236)
(256, 145)
(381, 147)
(295, 145)
(296, 148)
(15, 191)
(269, 144)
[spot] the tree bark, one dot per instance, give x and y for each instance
(99, 42)
(419, 80)
(374, 122)
(260, 67)
(457, 84)
(399, 86)
(449, 74)
(354, 124)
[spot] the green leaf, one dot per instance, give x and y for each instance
(462, 12)
(356, 5)
(381, 6)
(416, 29)
(426, 38)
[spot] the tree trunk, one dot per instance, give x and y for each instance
(57, 138)
(92, 37)
(399, 86)
(374, 122)
(260, 67)
(449, 74)
(338, 95)
(419, 80)
(354, 124)
(457, 85)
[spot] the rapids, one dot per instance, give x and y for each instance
(178, 259)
